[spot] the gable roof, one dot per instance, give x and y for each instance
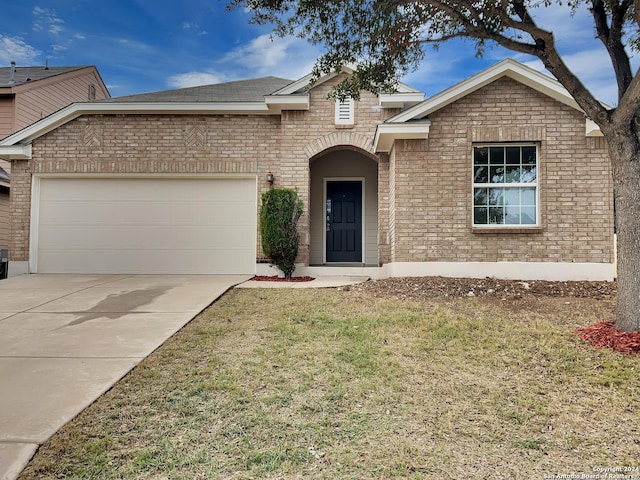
(239, 91)
(402, 97)
(413, 122)
(24, 75)
(506, 68)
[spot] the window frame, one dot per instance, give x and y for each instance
(479, 227)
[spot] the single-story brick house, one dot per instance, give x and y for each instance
(500, 175)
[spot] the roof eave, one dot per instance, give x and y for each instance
(400, 99)
(388, 133)
(15, 152)
(76, 110)
(509, 68)
(278, 103)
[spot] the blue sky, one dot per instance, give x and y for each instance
(151, 45)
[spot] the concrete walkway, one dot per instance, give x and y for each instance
(66, 339)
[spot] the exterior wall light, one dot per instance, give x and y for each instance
(270, 179)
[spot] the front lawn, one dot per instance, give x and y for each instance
(348, 384)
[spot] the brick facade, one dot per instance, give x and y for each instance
(196, 144)
(424, 186)
(432, 183)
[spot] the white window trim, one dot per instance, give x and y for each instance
(536, 185)
(345, 111)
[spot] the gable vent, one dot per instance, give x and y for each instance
(345, 112)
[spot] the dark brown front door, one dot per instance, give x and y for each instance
(344, 221)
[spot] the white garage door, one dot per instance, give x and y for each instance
(144, 225)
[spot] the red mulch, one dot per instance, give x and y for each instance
(275, 278)
(604, 335)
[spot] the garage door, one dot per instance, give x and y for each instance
(144, 225)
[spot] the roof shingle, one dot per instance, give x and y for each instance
(24, 75)
(240, 91)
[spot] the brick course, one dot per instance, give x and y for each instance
(424, 186)
(432, 185)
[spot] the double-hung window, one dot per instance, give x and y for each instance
(505, 185)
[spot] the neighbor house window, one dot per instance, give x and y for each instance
(505, 185)
(345, 112)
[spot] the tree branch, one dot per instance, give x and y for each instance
(611, 37)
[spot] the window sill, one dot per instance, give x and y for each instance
(507, 230)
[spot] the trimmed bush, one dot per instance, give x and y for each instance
(281, 209)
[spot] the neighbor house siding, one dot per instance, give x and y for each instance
(4, 217)
(432, 193)
(46, 96)
(7, 124)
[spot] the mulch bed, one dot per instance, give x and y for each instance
(605, 335)
(275, 278)
(419, 288)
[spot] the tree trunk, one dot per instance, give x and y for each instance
(624, 151)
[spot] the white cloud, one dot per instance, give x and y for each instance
(14, 48)
(193, 79)
(266, 55)
(134, 46)
(47, 19)
(289, 58)
(195, 27)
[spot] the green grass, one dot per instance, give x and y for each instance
(326, 384)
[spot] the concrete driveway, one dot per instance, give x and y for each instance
(66, 339)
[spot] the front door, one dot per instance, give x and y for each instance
(344, 221)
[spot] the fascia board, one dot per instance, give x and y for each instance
(592, 129)
(75, 110)
(510, 68)
(388, 133)
(293, 87)
(15, 152)
(400, 100)
(277, 103)
(306, 80)
(404, 88)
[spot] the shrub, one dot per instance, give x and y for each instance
(281, 209)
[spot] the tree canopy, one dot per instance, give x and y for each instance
(386, 38)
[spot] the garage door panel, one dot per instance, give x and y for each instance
(210, 213)
(157, 262)
(91, 225)
(144, 238)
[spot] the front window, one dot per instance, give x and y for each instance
(505, 185)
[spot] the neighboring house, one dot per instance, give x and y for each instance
(500, 175)
(27, 94)
(4, 209)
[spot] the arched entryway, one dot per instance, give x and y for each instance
(344, 208)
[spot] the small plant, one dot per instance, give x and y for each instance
(281, 209)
